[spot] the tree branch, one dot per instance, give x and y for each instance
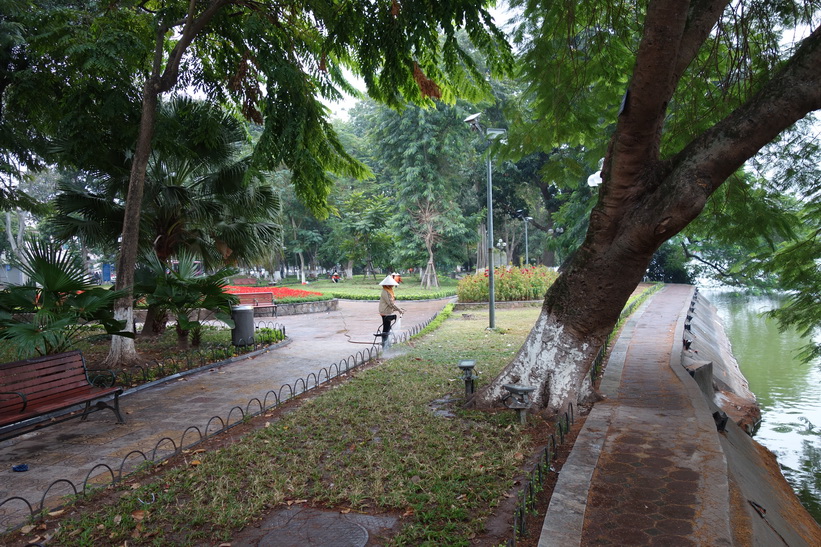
(193, 26)
(718, 269)
(789, 96)
(702, 17)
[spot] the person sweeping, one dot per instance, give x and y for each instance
(387, 306)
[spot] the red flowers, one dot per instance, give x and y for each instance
(279, 292)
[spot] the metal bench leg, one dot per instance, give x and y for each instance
(86, 411)
(102, 404)
(116, 409)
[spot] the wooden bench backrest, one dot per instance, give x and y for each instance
(41, 378)
(256, 298)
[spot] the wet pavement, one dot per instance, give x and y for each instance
(175, 413)
(647, 468)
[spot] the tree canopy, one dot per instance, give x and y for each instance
(684, 93)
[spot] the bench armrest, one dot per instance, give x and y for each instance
(102, 378)
(21, 395)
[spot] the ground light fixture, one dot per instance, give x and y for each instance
(518, 399)
(467, 366)
(489, 133)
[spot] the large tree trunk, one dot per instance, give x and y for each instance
(123, 351)
(645, 200)
(16, 241)
(301, 267)
(156, 321)
(481, 249)
(429, 277)
(161, 80)
(569, 332)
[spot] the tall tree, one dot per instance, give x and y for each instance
(327, 38)
(274, 61)
(359, 234)
(705, 90)
(197, 197)
(422, 154)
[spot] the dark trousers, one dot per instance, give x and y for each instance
(387, 323)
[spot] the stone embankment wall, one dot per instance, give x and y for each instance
(307, 307)
(708, 356)
(764, 507)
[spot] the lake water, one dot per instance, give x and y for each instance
(788, 391)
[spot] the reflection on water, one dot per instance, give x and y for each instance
(788, 391)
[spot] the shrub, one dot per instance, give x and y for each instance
(512, 283)
(50, 312)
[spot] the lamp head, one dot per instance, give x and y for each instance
(473, 121)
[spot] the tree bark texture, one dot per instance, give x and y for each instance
(122, 349)
(645, 200)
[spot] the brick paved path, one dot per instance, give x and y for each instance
(648, 468)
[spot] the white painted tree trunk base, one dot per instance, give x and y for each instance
(123, 351)
(552, 360)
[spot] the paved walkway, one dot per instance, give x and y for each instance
(160, 419)
(648, 467)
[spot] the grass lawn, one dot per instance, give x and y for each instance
(371, 444)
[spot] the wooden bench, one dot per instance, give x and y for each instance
(35, 387)
(258, 300)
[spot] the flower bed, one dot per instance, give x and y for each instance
(511, 284)
(281, 294)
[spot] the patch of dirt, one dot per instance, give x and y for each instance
(151, 350)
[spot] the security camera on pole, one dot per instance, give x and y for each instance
(489, 133)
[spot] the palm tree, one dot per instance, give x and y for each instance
(185, 293)
(49, 313)
(200, 195)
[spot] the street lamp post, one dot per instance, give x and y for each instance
(489, 133)
(527, 248)
(522, 215)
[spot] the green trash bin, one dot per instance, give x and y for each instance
(243, 332)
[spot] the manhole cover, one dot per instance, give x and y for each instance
(304, 527)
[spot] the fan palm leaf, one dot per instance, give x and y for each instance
(47, 314)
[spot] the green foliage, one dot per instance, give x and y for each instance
(197, 195)
(440, 318)
(510, 283)
(182, 290)
(796, 266)
(76, 71)
(422, 162)
(361, 228)
(47, 315)
(740, 229)
(669, 265)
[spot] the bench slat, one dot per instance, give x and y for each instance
(45, 406)
(49, 383)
